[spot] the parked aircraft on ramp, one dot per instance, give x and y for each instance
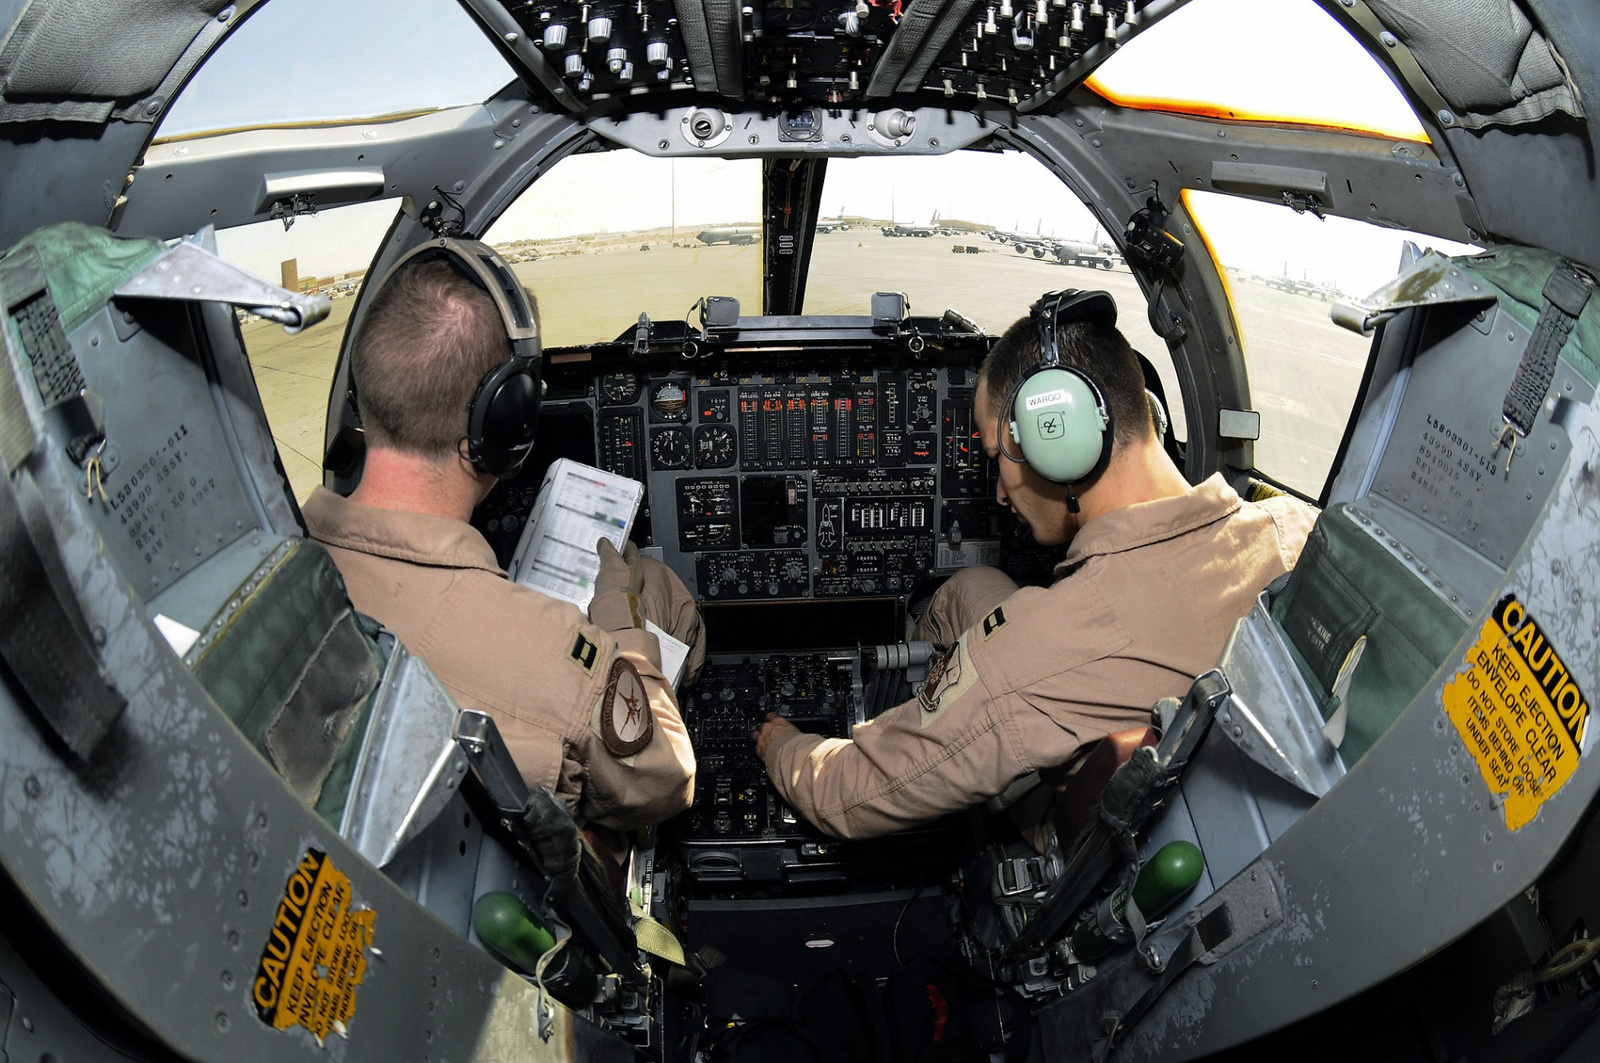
(730, 234)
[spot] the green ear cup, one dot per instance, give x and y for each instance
(1059, 422)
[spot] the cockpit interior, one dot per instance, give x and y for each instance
(1354, 243)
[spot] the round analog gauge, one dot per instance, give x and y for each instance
(713, 446)
(669, 448)
(618, 389)
(670, 401)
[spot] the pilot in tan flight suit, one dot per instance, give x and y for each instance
(447, 405)
(1156, 575)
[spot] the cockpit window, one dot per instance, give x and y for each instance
(602, 238)
(1266, 60)
(309, 61)
(983, 234)
(328, 252)
(1284, 271)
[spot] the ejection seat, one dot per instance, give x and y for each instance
(157, 448)
(1475, 396)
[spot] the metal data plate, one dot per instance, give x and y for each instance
(173, 495)
(1440, 461)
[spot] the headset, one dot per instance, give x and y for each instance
(504, 411)
(1059, 416)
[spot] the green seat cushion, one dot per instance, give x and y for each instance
(1345, 586)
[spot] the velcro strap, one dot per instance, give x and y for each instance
(713, 42)
(18, 435)
(1565, 294)
(1132, 792)
(658, 941)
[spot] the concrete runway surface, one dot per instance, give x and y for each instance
(1304, 370)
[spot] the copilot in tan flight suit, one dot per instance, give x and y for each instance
(1144, 601)
(1157, 572)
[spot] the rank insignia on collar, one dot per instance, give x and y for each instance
(994, 622)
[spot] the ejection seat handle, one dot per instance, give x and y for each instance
(491, 761)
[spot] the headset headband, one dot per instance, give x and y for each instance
(1054, 309)
(494, 276)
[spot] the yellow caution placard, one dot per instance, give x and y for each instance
(1519, 711)
(315, 955)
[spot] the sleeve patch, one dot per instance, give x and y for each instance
(945, 669)
(584, 654)
(626, 723)
(949, 679)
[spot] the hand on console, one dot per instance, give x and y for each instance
(771, 732)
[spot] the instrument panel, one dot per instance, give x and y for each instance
(826, 475)
(796, 470)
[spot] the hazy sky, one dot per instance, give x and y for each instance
(312, 59)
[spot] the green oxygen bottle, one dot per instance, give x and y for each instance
(1161, 883)
(504, 924)
(513, 933)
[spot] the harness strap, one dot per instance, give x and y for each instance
(1565, 295)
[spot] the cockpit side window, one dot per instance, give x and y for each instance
(1283, 272)
(327, 253)
(352, 59)
(1281, 61)
(602, 238)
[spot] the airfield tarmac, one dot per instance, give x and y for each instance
(1304, 370)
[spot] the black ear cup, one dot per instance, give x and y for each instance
(503, 417)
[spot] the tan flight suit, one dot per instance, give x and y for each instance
(1144, 602)
(533, 662)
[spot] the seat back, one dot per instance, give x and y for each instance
(1435, 496)
(152, 408)
(153, 420)
(1424, 517)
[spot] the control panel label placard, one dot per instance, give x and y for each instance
(1519, 711)
(315, 954)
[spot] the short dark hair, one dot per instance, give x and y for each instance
(426, 341)
(1099, 350)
